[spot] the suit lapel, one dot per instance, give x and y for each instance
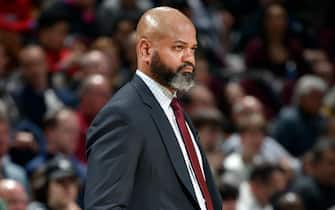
(167, 134)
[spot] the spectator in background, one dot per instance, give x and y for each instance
(289, 201)
(209, 123)
(111, 12)
(97, 62)
(124, 28)
(94, 93)
(129, 66)
(25, 144)
(81, 17)
(62, 131)
(14, 195)
(16, 18)
(298, 127)
(108, 46)
(229, 194)
(317, 189)
(248, 113)
(52, 29)
(8, 169)
(203, 75)
(92, 62)
(256, 193)
(197, 98)
(229, 95)
(244, 105)
(34, 98)
(55, 186)
(275, 50)
(6, 78)
(251, 131)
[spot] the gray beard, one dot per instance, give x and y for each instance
(182, 81)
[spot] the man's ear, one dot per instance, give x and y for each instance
(145, 48)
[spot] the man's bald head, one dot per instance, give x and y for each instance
(160, 21)
(13, 194)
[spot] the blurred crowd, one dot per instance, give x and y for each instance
(263, 103)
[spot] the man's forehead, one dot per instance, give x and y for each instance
(178, 40)
(181, 35)
(161, 22)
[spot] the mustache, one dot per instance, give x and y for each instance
(186, 64)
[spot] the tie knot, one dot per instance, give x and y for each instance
(175, 104)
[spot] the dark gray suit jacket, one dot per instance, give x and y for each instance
(134, 160)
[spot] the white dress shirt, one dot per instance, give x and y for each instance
(164, 98)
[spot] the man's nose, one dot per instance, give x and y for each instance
(188, 56)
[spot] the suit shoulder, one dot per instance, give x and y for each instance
(124, 100)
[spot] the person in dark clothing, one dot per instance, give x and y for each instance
(317, 190)
(298, 127)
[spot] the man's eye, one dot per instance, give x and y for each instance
(179, 48)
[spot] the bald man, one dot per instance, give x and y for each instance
(13, 194)
(143, 151)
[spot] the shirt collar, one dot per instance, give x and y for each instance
(161, 93)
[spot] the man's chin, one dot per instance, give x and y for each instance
(182, 85)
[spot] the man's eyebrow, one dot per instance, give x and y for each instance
(184, 43)
(180, 42)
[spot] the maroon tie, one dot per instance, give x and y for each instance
(178, 111)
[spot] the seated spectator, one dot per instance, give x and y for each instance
(24, 147)
(289, 201)
(229, 194)
(317, 189)
(244, 105)
(275, 50)
(16, 18)
(97, 62)
(55, 186)
(14, 194)
(110, 12)
(129, 65)
(62, 132)
(94, 93)
(8, 169)
(108, 46)
(203, 75)
(33, 96)
(209, 124)
(251, 136)
(255, 194)
(197, 98)
(52, 29)
(269, 150)
(232, 93)
(298, 127)
(6, 78)
(322, 67)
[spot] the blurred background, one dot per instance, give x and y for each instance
(263, 103)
